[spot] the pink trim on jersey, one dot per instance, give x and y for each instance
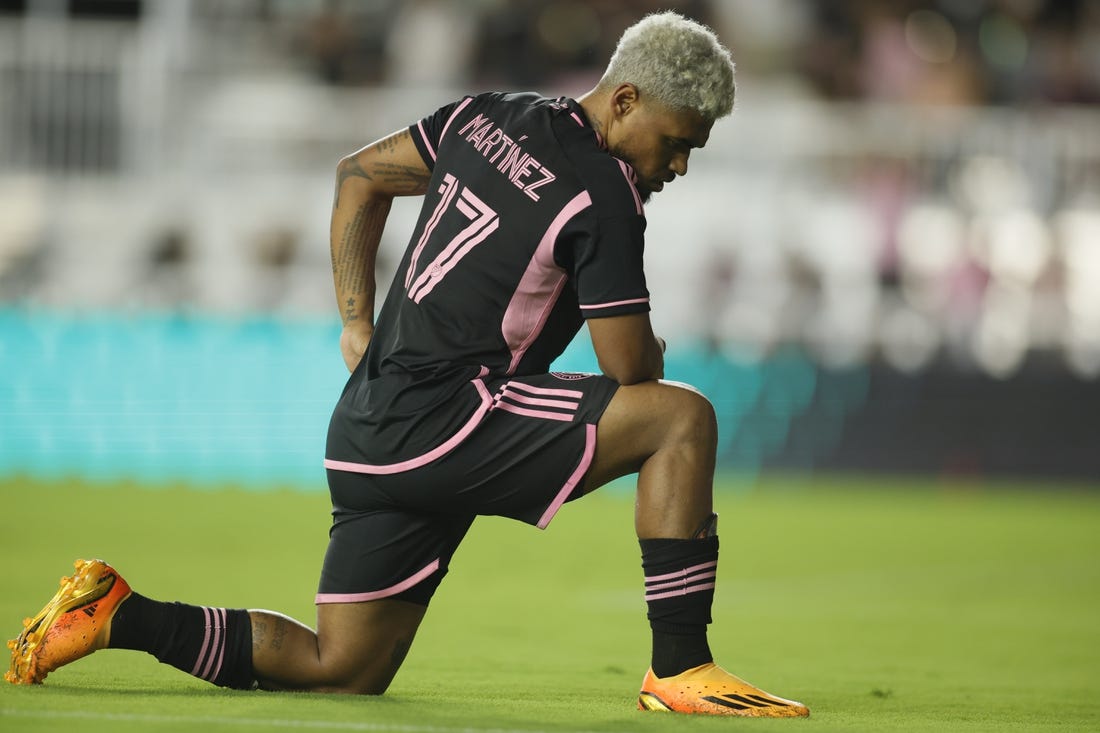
(631, 178)
(574, 479)
(539, 287)
(424, 133)
(374, 595)
(680, 592)
(424, 138)
(577, 117)
(614, 303)
(438, 452)
(454, 114)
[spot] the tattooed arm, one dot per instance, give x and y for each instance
(366, 183)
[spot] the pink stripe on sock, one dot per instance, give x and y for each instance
(221, 650)
(205, 643)
(218, 643)
(682, 573)
(681, 592)
(679, 583)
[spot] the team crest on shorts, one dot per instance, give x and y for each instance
(571, 376)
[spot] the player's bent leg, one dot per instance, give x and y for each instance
(667, 433)
(357, 648)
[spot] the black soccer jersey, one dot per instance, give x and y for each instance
(528, 226)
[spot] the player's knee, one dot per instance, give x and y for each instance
(693, 418)
(367, 681)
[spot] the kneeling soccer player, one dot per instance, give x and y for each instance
(532, 224)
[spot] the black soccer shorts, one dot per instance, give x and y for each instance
(393, 534)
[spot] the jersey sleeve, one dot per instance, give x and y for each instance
(428, 132)
(608, 267)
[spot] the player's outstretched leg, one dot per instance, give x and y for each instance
(357, 648)
(75, 623)
(95, 608)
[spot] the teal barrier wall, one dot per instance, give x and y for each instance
(207, 400)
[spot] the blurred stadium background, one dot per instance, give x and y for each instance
(887, 260)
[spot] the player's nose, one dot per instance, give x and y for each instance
(679, 164)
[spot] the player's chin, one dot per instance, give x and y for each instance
(645, 191)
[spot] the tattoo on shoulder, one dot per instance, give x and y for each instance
(389, 144)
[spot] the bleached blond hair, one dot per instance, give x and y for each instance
(678, 61)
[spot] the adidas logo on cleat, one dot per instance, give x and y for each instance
(89, 611)
(744, 702)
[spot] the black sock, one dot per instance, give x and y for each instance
(214, 644)
(679, 582)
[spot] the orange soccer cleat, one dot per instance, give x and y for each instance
(75, 623)
(710, 690)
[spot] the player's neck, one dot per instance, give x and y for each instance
(593, 103)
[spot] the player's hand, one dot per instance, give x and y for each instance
(354, 341)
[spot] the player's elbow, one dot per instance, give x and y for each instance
(354, 183)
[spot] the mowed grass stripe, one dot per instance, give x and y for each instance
(69, 717)
(883, 605)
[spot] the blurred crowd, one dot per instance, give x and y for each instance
(908, 180)
(921, 51)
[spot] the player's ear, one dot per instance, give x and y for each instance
(624, 99)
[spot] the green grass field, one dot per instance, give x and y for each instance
(884, 605)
